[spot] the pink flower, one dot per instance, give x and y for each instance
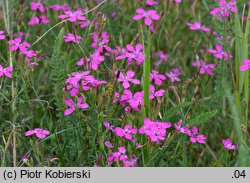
(44, 19)
(30, 53)
(130, 163)
(156, 77)
(219, 53)
(108, 126)
(25, 159)
(149, 16)
(134, 100)
(195, 137)
(128, 77)
(180, 129)
(178, 1)
(39, 132)
(173, 76)
(161, 57)
(17, 44)
(34, 21)
(127, 132)
(2, 35)
(224, 8)
(37, 6)
(151, 3)
(154, 94)
(84, 24)
(197, 26)
(228, 144)
(72, 106)
(133, 53)
(101, 42)
(73, 16)
(154, 130)
(6, 71)
(246, 65)
(72, 38)
(118, 156)
(203, 67)
(108, 144)
(57, 7)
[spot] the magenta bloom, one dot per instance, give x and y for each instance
(118, 156)
(6, 71)
(17, 44)
(39, 132)
(127, 132)
(101, 42)
(154, 130)
(37, 6)
(228, 144)
(133, 53)
(151, 3)
(161, 57)
(126, 78)
(197, 26)
(2, 35)
(149, 16)
(57, 7)
(73, 16)
(130, 162)
(72, 106)
(156, 77)
(72, 38)
(30, 53)
(203, 67)
(108, 144)
(195, 137)
(154, 93)
(180, 129)
(178, 1)
(134, 100)
(246, 65)
(225, 8)
(219, 53)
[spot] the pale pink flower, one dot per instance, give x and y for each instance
(162, 57)
(57, 7)
(178, 1)
(197, 26)
(108, 144)
(72, 38)
(130, 163)
(39, 132)
(203, 67)
(73, 16)
(219, 53)
(6, 71)
(225, 8)
(2, 35)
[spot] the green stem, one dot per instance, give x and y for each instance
(146, 74)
